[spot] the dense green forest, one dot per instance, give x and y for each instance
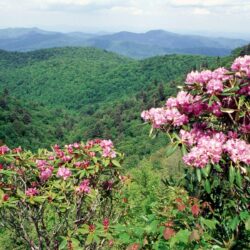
(71, 94)
(64, 95)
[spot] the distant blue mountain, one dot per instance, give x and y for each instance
(135, 45)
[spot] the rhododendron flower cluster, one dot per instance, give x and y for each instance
(4, 149)
(214, 86)
(161, 116)
(207, 146)
(238, 150)
(31, 192)
(64, 173)
(84, 187)
(46, 170)
(218, 97)
(106, 145)
(242, 64)
(211, 81)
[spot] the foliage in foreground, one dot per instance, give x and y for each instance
(210, 120)
(60, 199)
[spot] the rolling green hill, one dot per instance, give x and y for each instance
(71, 94)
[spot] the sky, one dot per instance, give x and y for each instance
(214, 16)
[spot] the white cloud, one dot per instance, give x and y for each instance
(64, 5)
(133, 14)
(201, 11)
(206, 3)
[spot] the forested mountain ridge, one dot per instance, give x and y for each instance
(135, 45)
(72, 94)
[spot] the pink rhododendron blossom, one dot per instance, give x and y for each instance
(175, 117)
(193, 77)
(106, 145)
(208, 147)
(215, 108)
(42, 164)
(46, 173)
(45, 168)
(63, 173)
(184, 98)
(157, 116)
(197, 157)
(161, 116)
(206, 75)
(245, 128)
(66, 158)
(31, 192)
(72, 147)
(191, 137)
(17, 150)
(171, 102)
(232, 135)
(221, 74)
(242, 64)
(245, 90)
(199, 77)
(238, 150)
(214, 86)
(4, 149)
(82, 164)
(83, 187)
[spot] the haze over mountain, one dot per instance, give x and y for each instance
(135, 45)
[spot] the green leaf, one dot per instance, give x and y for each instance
(244, 215)
(206, 171)
(116, 163)
(207, 186)
(234, 223)
(211, 224)
(231, 89)
(183, 149)
(218, 168)
(7, 172)
(63, 244)
(231, 174)
(39, 199)
(89, 239)
(124, 238)
(182, 236)
(238, 178)
(247, 224)
(171, 148)
(229, 111)
(75, 243)
(198, 174)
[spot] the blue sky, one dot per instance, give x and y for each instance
(134, 15)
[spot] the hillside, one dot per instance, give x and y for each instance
(73, 94)
(134, 45)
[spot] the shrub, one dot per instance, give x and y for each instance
(210, 120)
(60, 199)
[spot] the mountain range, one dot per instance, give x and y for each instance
(134, 45)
